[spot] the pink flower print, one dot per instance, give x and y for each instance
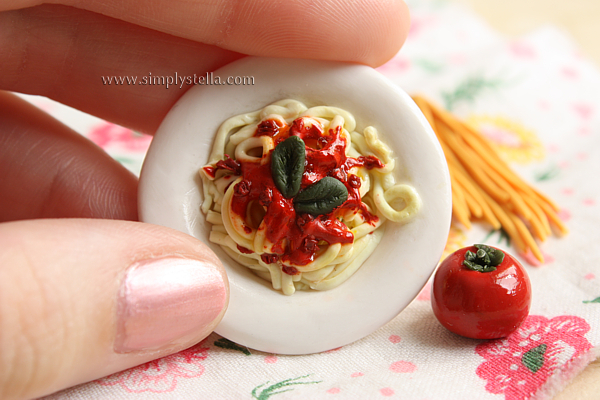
(569, 72)
(107, 134)
(457, 59)
(584, 110)
(418, 23)
(271, 359)
(568, 191)
(564, 215)
(544, 104)
(520, 364)
(531, 260)
(394, 339)
(522, 50)
(160, 375)
(396, 64)
(589, 202)
(400, 367)
(589, 276)
(584, 131)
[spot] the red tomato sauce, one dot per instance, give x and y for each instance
(296, 236)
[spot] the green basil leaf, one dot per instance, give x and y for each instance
(321, 197)
(287, 165)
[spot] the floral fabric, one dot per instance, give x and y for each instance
(538, 100)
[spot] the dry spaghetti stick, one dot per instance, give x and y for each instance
(539, 213)
(460, 197)
(468, 132)
(464, 147)
(514, 198)
(554, 218)
(542, 198)
(506, 222)
(470, 163)
(535, 220)
(481, 144)
(526, 236)
(504, 170)
(461, 179)
(457, 170)
(538, 229)
(475, 193)
(425, 107)
(474, 207)
(475, 201)
(459, 210)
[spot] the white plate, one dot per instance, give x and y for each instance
(307, 322)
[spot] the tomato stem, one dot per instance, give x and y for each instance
(486, 259)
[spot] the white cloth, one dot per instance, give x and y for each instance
(539, 100)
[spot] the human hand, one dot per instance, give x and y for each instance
(83, 298)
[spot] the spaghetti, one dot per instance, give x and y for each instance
(300, 197)
(485, 188)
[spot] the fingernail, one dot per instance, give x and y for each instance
(167, 301)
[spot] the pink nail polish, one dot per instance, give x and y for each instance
(167, 300)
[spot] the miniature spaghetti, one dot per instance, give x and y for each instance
(300, 197)
(485, 188)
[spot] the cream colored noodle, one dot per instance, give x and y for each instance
(334, 263)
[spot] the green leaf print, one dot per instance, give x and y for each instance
(229, 345)
(534, 358)
(429, 66)
(503, 236)
(271, 390)
(550, 173)
(469, 89)
(596, 300)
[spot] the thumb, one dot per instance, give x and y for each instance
(81, 299)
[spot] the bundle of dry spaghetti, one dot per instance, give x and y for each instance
(485, 188)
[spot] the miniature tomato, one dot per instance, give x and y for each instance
(481, 292)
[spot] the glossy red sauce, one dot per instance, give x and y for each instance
(244, 250)
(296, 236)
(228, 164)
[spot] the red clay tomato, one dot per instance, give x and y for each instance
(481, 292)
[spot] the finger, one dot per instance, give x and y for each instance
(48, 170)
(81, 299)
(364, 31)
(63, 53)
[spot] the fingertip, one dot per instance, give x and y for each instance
(366, 31)
(396, 32)
(166, 302)
(82, 299)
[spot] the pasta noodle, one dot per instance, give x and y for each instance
(484, 187)
(276, 229)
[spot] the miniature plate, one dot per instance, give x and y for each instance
(309, 321)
